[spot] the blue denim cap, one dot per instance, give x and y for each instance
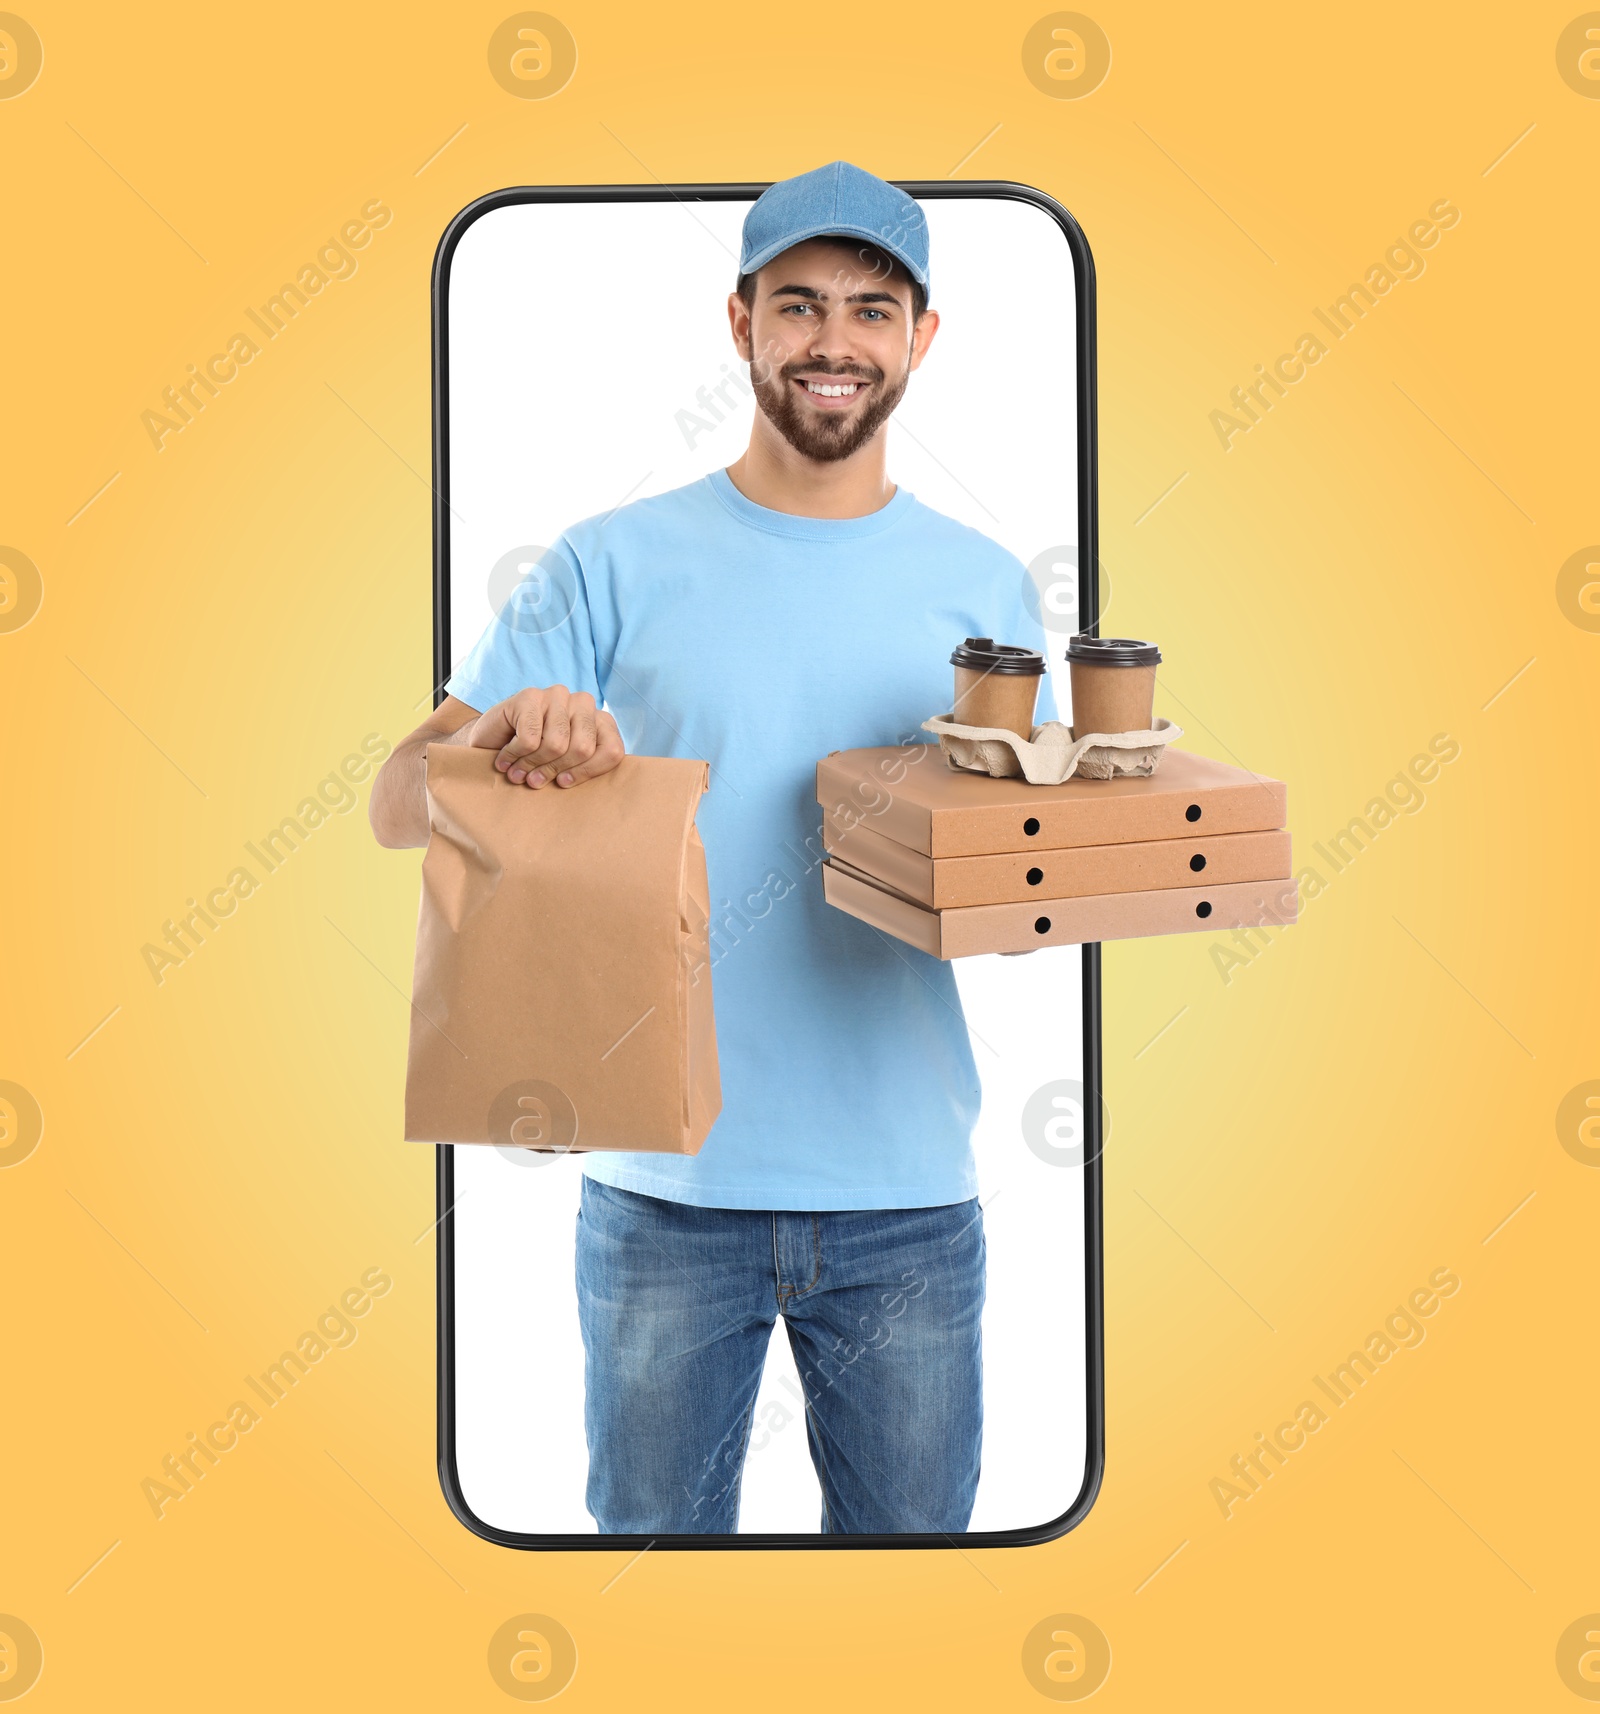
(841, 200)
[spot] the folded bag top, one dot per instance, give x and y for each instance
(562, 991)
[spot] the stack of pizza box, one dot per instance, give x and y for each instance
(958, 863)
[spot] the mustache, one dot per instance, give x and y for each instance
(842, 371)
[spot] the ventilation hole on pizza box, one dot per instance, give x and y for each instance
(1035, 876)
(1031, 826)
(1042, 925)
(1203, 909)
(1197, 862)
(1192, 813)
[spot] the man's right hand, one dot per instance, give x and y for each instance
(549, 734)
(542, 735)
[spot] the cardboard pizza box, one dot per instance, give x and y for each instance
(910, 794)
(965, 931)
(1065, 873)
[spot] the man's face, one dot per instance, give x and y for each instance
(831, 344)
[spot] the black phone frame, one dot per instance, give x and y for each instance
(1088, 609)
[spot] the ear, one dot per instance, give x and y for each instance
(922, 336)
(739, 324)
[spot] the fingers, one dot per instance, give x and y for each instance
(605, 753)
(527, 726)
(563, 725)
(550, 734)
(567, 736)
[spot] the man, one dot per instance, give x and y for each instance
(795, 603)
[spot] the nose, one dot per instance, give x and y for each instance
(832, 340)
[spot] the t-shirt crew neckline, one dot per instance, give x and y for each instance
(807, 529)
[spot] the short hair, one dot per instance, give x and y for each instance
(872, 259)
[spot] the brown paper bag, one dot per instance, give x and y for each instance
(562, 992)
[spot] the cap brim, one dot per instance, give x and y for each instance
(750, 264)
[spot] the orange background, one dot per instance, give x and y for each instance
(1294, 1150)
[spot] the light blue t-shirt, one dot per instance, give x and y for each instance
(715, 628)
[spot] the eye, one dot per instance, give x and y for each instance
(875, 312)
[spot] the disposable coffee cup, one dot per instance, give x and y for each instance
(997, 684)
(1113, 684)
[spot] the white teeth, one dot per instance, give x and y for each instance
(844, 390)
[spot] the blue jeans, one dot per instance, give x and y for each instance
(882, 1308)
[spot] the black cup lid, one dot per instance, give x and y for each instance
(1113, 652)
(985, 655)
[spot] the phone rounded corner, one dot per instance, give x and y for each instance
(460, 1507)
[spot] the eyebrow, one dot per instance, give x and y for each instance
(821, 297)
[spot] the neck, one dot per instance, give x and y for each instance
(772, 474)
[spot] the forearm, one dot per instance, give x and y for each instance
(398, 804)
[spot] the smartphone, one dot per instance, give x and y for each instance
(582, 359)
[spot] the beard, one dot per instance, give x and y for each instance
(824, 436)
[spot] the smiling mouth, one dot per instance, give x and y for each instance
(831, 392)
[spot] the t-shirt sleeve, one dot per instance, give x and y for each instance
(542, 633)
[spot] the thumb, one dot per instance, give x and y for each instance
(493, 728)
